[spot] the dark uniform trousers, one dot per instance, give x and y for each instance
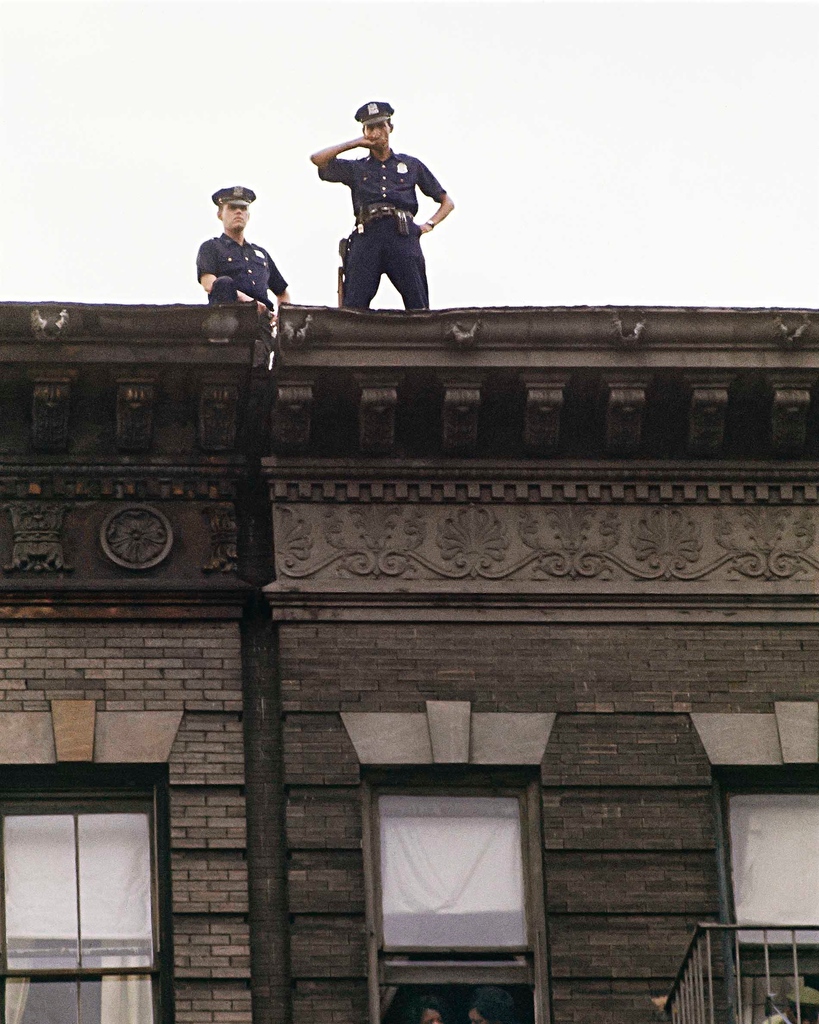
(378, 250)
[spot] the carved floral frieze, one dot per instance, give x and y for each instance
(565, 543)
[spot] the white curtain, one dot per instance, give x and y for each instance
(775, 859)
(451, 871)
(115, 887)
(127, 1000)
(112, 904)
(41, 887)
(16, 997)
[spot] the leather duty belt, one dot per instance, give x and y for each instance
(377, 211)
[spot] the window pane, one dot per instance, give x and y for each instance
(451, 871)
(41, 1002)
(775, 859)
(115, 890)
(116, 1001)
(41, 891)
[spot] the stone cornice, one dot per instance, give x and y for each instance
(573, 383)
(74, 333)
(554, 337)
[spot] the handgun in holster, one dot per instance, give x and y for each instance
(402, 221)
(343, 252)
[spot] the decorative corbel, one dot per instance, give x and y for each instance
(218, 410)
(135, 414)
(541, 422)
(461, 407)
(706, 417)
(51, 402)
(376, 418)
(789, 415)
(291, 416)
(624, 415)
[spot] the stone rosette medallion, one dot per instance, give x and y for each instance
(136, 537)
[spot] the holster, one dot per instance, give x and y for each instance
(402, 221)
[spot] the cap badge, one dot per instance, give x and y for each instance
(372, 108)
(237, 190)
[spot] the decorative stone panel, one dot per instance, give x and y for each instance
(136, 537)
(37, 538)
(224, 541)
(581, 548)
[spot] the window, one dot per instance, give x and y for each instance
(455, 898)
(79, 924)
(775, 858)
(774, 866)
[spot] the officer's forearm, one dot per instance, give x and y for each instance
(444, 210)
(324, 156)
(206, 280)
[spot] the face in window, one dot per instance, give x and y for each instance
(430, 1016)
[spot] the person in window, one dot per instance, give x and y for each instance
(425, 1009)
(808, 1005)
(490, 1005)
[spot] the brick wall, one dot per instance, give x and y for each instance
(629, 835)
(196, 669)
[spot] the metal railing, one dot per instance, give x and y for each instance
(743, 974)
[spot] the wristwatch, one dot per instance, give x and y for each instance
(429, 224)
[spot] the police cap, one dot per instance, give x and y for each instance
(236, 194)
(374, 113)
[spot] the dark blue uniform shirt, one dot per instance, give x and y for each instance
(248, 265)
(393, 181)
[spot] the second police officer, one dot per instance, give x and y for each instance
(383, 186)
(231, 269)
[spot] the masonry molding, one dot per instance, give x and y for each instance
(74, 731)
(788, 736)
(579, 548)
(448, 732)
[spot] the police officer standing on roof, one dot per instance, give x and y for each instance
(383, 184)
(231, 269)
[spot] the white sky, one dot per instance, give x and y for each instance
(597, 152)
